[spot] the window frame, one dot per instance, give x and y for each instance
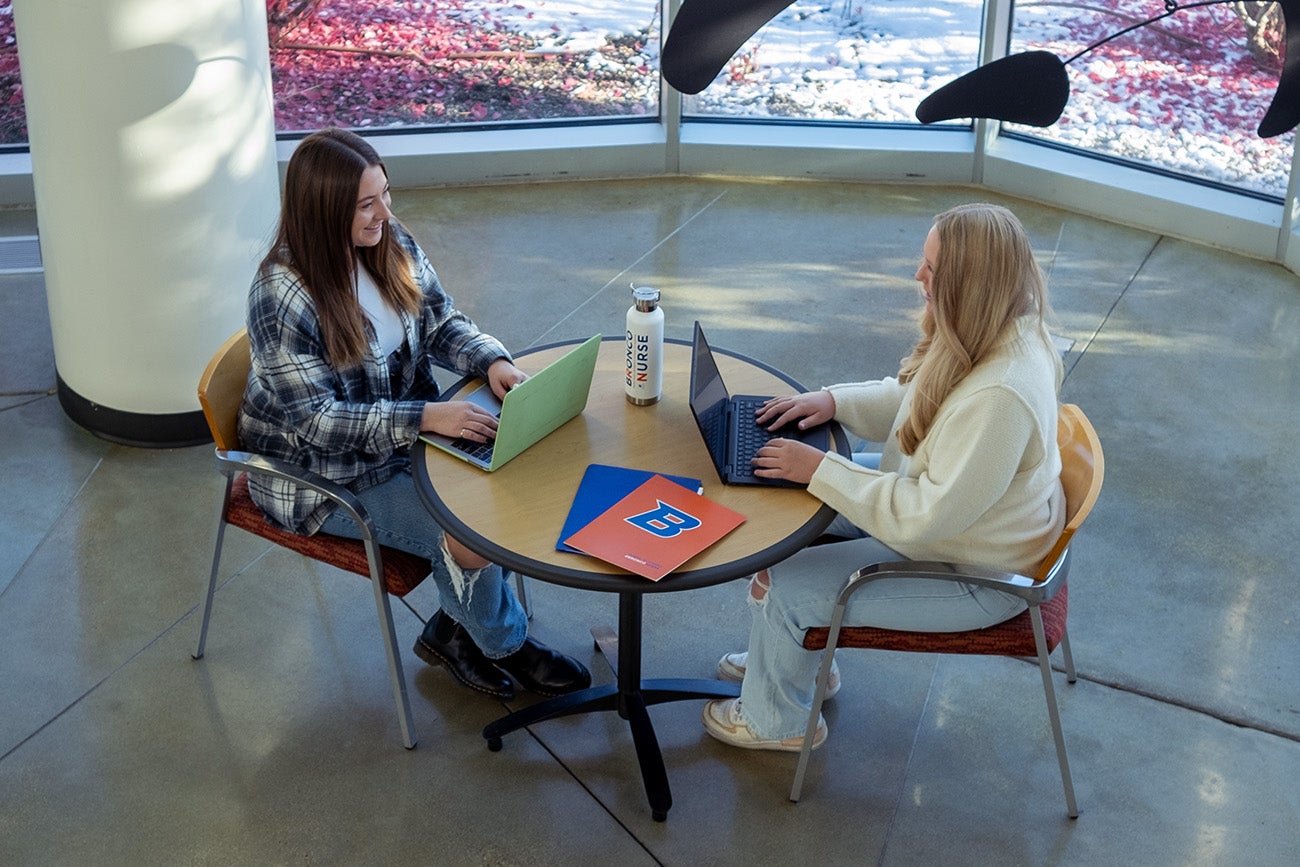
(974, 155)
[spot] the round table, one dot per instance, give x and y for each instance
(513, 516)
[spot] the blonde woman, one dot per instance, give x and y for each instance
(969, 473)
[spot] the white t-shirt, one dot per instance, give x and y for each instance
(384, 319)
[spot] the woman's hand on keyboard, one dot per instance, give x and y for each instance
(787, 459)
(809, 409)
(503, 376)
(459, 418)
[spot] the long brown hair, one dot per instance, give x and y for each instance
(984, 277)
(314, 238)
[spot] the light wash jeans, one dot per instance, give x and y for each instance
(780, 675)
(480, 600)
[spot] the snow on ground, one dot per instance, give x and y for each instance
(853, 60)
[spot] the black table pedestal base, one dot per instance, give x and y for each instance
(630, 697)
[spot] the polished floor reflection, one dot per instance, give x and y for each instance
(281, 746)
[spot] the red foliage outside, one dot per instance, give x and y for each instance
(377, 63)
(400, 63)
(1193, 66)
(363, 63)
(13, 119)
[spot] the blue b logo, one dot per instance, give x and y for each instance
(664, 521)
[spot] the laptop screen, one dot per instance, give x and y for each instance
(709, 398)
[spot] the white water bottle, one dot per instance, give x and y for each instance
(645, 347)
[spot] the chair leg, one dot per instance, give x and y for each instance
(1066, 656)
(389, 634)
(521, 591)
(819, 697)
(1053, 714)
(212, 578)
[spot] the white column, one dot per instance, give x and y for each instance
(153, 160)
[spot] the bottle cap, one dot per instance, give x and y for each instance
(646, 297)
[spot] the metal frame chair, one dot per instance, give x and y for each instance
(1035, 632)
(390, 570)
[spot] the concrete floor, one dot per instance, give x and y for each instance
(281, 746)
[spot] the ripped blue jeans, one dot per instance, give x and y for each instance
(780, 675)
(478, 599)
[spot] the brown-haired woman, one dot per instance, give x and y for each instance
(970, 473)
(347, 319)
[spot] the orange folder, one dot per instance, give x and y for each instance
(656, 528)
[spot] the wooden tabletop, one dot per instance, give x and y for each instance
(513, 516)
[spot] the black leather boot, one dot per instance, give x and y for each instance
(539, 669)
(445, 642)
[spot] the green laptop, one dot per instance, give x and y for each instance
(530, 411)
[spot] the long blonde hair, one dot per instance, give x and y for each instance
(983, 278)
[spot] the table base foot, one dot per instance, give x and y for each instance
(631, 706)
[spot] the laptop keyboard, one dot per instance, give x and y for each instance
(749, 436)
(482, 451)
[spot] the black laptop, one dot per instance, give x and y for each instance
(726, 422)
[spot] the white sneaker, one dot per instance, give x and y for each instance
(732, 667)
(723, 720)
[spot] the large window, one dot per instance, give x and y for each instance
(1185, 94)
(402, 64)
(383, 64)
(850, 60)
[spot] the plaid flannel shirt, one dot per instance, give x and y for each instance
(354, 426)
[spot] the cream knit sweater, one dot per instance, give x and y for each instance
(984, 484)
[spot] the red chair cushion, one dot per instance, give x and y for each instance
(1014, 637)
(403, 571)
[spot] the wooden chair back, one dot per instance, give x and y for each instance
(221, 389)
(1083, 467)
